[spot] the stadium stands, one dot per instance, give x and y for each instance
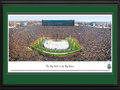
(97, 43)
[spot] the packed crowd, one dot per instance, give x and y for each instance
(96, 42)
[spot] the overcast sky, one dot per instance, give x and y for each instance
(78, 17)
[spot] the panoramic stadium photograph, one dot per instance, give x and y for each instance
(60, 37)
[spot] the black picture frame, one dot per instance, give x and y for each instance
(61, 2)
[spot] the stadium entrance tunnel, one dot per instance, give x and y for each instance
(60, 47)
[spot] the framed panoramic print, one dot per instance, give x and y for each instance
(63, 44)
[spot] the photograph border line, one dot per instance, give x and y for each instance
(61, 61)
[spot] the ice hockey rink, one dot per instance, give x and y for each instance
(56, 45)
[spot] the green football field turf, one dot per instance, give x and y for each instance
(74, 47)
